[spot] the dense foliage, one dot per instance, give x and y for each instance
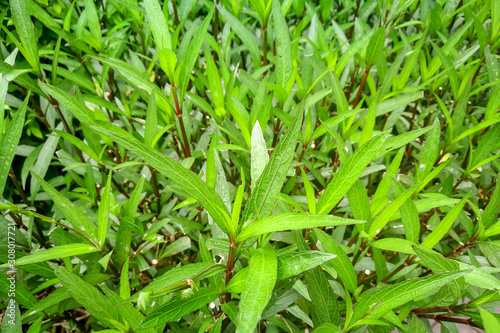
(279, 166)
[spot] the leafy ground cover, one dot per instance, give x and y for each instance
(261, 165)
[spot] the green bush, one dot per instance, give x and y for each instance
(261, 165)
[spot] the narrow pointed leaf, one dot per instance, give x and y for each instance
(291, 221)
(89, 297)
(9, 143)
(170, 168)
(259, 285)
(296, 263)
(442, 228)
(382, 301)
(158, 24)
(71, 212)
(349, 173)
(270, 182)
(259, 155)
(61, 251)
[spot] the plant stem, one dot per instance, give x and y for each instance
(264, 32)
(399, 268)
(230, 265)
(187, 151)
(157, 192)
(361, 85)
(465, 321)
(18, 187)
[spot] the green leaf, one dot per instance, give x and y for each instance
(22, 296)
(327, 328)
(178, 307)
(348, 173)
(259, 155)
(489, 215)
(34, 328)
(358, 201)
(261, 202)
(140, 81)
(380, 302)
(311, 198)
(248, 39)
(324, 304)
(259, 286)
(394, 244)
(214, 82)
(62, 251)
(480, 277)
(25, 29)
(442, 228)
(490, 322)
(401, 140)
(10, 321)
(89, 297)
(375, 46)
(416, 325)
(296, 263)
(93, 20)
(151, 127)
(351, 51)
(429, 153)
(9, 143)
(192, 54)
(158, 24)
(237, 282)
(103, 212)
(170, 168)
(132, 315)
(291, 221)
(409, 214)
(341, 263)
(475, 128)
(440, 264)
(383, 218)
(78, 144)
(486, 144)
(168, 62)
(124, 281)
(73, 214)
(284, 66)
(69, 102)
(176, 277)
(55, 297)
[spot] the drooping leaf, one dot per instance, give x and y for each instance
(170, 168)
